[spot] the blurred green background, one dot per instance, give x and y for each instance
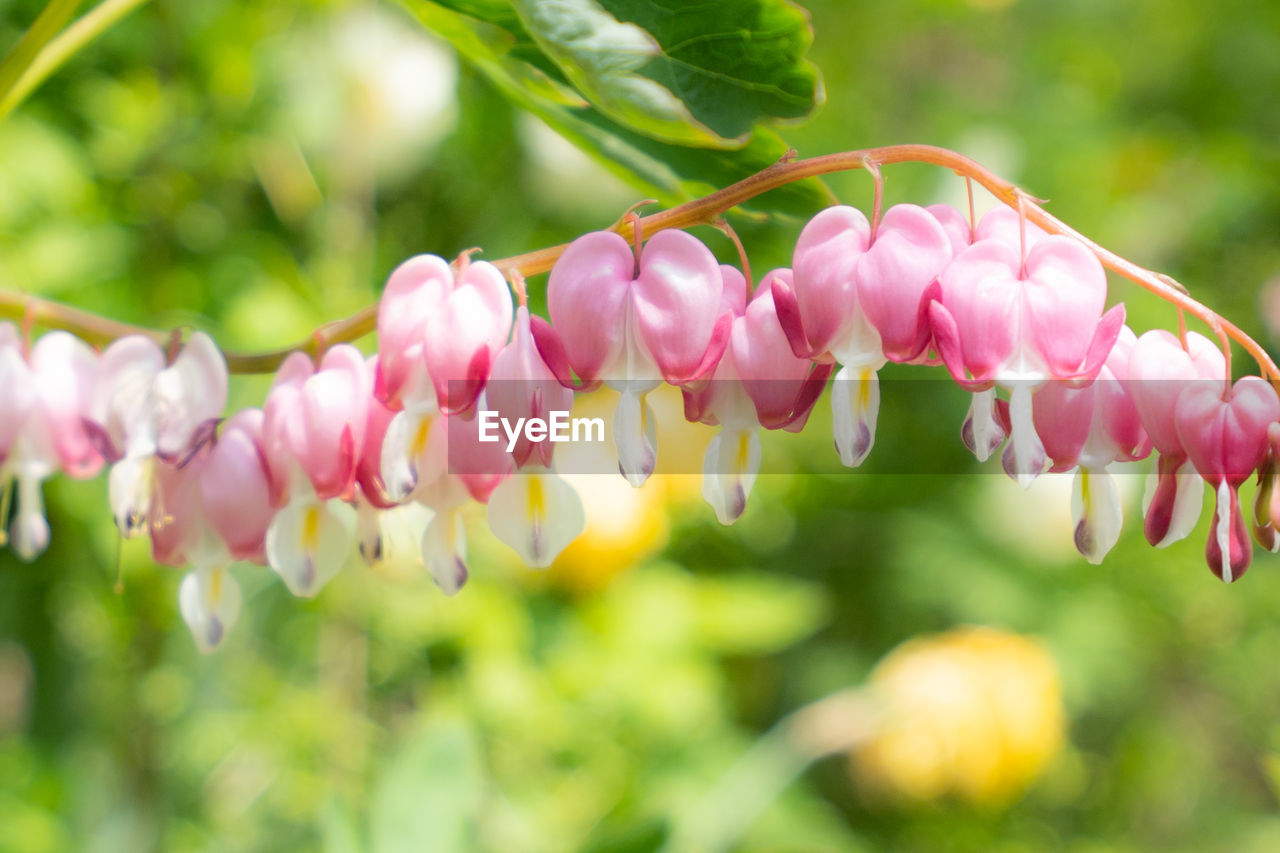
(255, 169)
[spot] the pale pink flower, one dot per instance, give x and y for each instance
(759, 382)
(44, 431)
(313, 435)
(534, 511)
(440, 325)
(634, 322)
(143, 411)
(862, 299)
(1087, 429)
(1015, 323)
(1225, 437)
(1160, 370)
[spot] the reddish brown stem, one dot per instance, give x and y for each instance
(702, 211)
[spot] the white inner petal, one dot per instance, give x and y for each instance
(855, 407)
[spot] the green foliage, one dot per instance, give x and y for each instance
(251, 168)
(428, 795)
(669, 106)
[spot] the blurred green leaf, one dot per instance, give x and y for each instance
(427, 795)
(340, 832)
(672, 173)
(753, 614)
(646, 837)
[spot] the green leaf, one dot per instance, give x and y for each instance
(602, 56)
(670, 173)
(733, 63)
(753, 614)
(700, 74)
(428, 795)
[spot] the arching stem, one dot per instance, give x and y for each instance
(724, 226)
(1022, 235)
(702, 211)
(877, 203)
(973, 216)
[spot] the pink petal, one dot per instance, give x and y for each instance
(1063, 418)
(808, 396)
(1002, 223)
(772, 375)
(1065, 290)
(415, 291)
(464, 334)
(825, 270)
(677, 298)
(955, 224)
(909, 252)
(982, 293)
(586, 298)
(1158, 371)
(369, 468)
(122, 383)
(188, 393)
(1100, 348)
(176, 513)
(1174, 495)
(523, 386)
(19, 389)
(479, 465)
(946, 338)
(1226, 439)
(784, 300)
(235, 488)
(63, 368)
(735, 296)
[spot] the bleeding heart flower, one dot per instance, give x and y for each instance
(313, 433)
(635, 319)
(523, 386)
(236, 489)
(44, 431)
(206, 513)
(759, 382)
(819, 307)
(315, 421)
(863, 298)
(1159, 371)
(1088, 429)
(535, 511)
(898, 278)
(142, 412)
(443, 324)
(1226, 439)
(19, 389)
(1266, 503)
(1019, 324)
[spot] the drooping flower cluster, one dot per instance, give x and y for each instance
(1017, 317)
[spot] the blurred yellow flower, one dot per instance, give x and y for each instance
(624, 525)
(976, 713)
